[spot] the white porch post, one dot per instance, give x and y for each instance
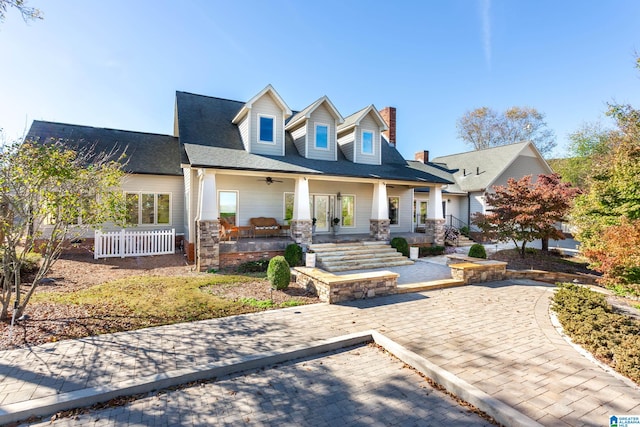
(207, 223)
(207, 200)
(434, 208)
(380, 207)
(434, 226)
(379, 222)
(301, 202)
(301, 225)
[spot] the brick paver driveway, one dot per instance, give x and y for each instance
(496, 336)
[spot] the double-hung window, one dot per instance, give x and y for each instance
(367, 142)
(266, 129)
(148, 208)
(322, 137)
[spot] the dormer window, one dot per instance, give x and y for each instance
(367, 142)
(266, 128)
(322, 137)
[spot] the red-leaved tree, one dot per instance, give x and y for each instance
(524, 211)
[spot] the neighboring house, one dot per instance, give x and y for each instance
(476, 172)
(235, 161)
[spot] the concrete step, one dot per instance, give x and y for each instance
(365, 265)
(335, 257)
(429, 286)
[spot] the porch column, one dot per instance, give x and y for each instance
(207, 223)
(379, 222)
(434, 225)
(301, 225)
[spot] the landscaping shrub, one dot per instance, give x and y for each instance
(253, 266)
(465, 231)
(477, 251)
(431, 250)
(400, 244)
(31, 262)
(293, 255)
(591, 322)
(279, 273)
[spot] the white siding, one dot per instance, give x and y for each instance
(346, 143)
(321, 115)
(368, 124)
(299, 136)
(521, 166)
(476, 200)
(243, 127)
(173, 185)
(267, 106)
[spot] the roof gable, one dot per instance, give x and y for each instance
(355, 119)
(268, 90)
(306, 113)
(480, 169)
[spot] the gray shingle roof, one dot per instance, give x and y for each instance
(478, 169)
(146, 153)
(211, 140)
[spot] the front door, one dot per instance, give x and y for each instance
(321, 212)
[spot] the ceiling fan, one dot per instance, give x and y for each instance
(269, 180)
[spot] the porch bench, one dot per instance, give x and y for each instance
(263, 226)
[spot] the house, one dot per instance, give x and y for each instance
(233, 161)
(476, 172)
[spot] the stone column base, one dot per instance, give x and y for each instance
(379, 229)
(208, 245)
(301, 231)
(434, 230)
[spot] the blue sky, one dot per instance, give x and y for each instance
(118, 63)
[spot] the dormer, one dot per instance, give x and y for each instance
(314, 130)
(359, 136)
(261, 123)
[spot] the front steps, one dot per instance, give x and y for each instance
(334, 257)
(464, 241)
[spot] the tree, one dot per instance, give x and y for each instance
(28, 13)
(586, 145)
(485, 128)
(523, 211)
(49, 194)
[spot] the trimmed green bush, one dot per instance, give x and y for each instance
(279, 273)
(293, 255)
(590, 321)
(400, 244)
(31, 262)
(431, 250)
(253, 266)
(465, 231)
(477, 251)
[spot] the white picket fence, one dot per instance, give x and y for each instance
(127, 243)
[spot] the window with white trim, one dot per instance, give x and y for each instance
(266, 129)
(322, 137)
(394, 210)
(348, 210)
(367, 142)
(148, 208)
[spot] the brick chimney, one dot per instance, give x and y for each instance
(422, 156)
(388, 114)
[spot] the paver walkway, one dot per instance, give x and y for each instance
(496, 336)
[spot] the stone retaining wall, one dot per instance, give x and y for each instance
(332, 288)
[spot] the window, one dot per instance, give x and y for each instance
(394, 208)
(265, 129)
(148, 208)
(348, 211)
(322, 137)
(367, 142)
(288, 206)
(228, 206)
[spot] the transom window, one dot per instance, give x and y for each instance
(148, 208)
(322, 137)
(265, 129)
(367, 142)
